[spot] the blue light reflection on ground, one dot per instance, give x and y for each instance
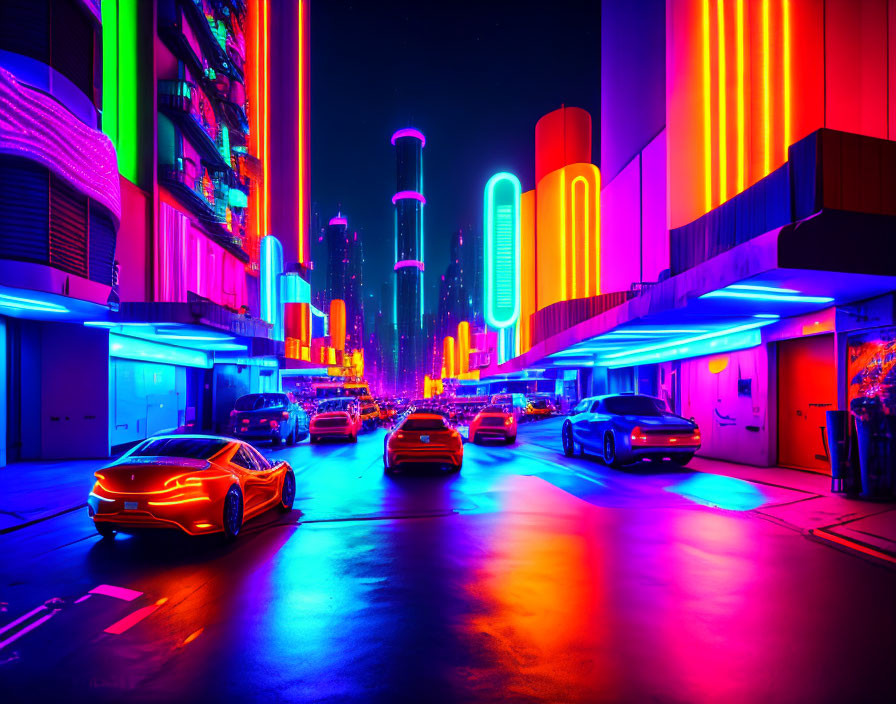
(722, 492)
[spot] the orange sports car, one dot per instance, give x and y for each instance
(493, 422)
(423, 438)
(195, 483)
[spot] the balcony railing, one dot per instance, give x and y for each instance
(188, 106)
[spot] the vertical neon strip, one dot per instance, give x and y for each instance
(255, 114)
(302, 105)
(741, 128)
(723, 106)
(766, 92)
(707, 113)
(265, 126)
(587, 233)
(785, 30)
(110, 69)
(563, 296)
(395, 278)
(128, 78)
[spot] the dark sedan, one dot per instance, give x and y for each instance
(624, 428)
(269, 416)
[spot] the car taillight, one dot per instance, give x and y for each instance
(275, 424)
(398, 436)
(508, 420)
(233, 413)
(285, 415)
(245, 421)
(638, 436)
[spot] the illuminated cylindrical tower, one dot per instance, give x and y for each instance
(408, 203)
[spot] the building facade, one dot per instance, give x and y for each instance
(408, 203)
(163, 175)
(746, 225)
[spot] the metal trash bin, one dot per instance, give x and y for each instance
(838, 450)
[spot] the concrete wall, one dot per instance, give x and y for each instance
(732, 398)
(74, 393)
(146, 398)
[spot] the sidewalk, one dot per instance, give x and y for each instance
(34, 491)
(868, 527)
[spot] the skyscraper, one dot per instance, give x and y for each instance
(408, 289)
(345, 259)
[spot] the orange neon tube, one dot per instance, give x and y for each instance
(741, 127)
(707, 110)
(766, 91)
(563, 235)
(785, 30)
(587, 228)
(266, 121)
(723, 108)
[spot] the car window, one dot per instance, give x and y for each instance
(243, 459)
(188, 448)
(581, 406)
(595, 407)
(424, 424)
(249, 402)
(632, 406)
(259, 458)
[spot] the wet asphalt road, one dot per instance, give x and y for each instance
(526, 578)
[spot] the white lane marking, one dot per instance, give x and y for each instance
(122, 593)
(22, 618)
(29, 627)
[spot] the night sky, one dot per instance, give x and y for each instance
(474, 77)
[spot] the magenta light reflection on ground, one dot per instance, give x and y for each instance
(410, 132)
(408, 262)
(402, 195)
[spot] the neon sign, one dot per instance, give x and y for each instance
(502, 250)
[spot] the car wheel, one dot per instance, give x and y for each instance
(610, 458)
(569, 448)
(511, 440)
(105, 530)
(314, 440)
(276, 440)
(233, 513)
(476, 439)
(682, 460)
(354, 438)
(291, 438)
(287, 492)
(301, 436)
(457, 467)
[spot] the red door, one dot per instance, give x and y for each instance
(807, 387)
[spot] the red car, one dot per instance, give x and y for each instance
(194, 483)
(423, 438)
(338, 418)
(493, 422)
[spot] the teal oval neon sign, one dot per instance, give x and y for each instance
(502, 250)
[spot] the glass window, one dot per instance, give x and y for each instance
(424, 423)
(189, 448)
(243, 459)
(581, 406)
(595, 407)
(632, 406)
(259, 458)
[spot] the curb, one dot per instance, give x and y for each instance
(26, 524)
(822, 535)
